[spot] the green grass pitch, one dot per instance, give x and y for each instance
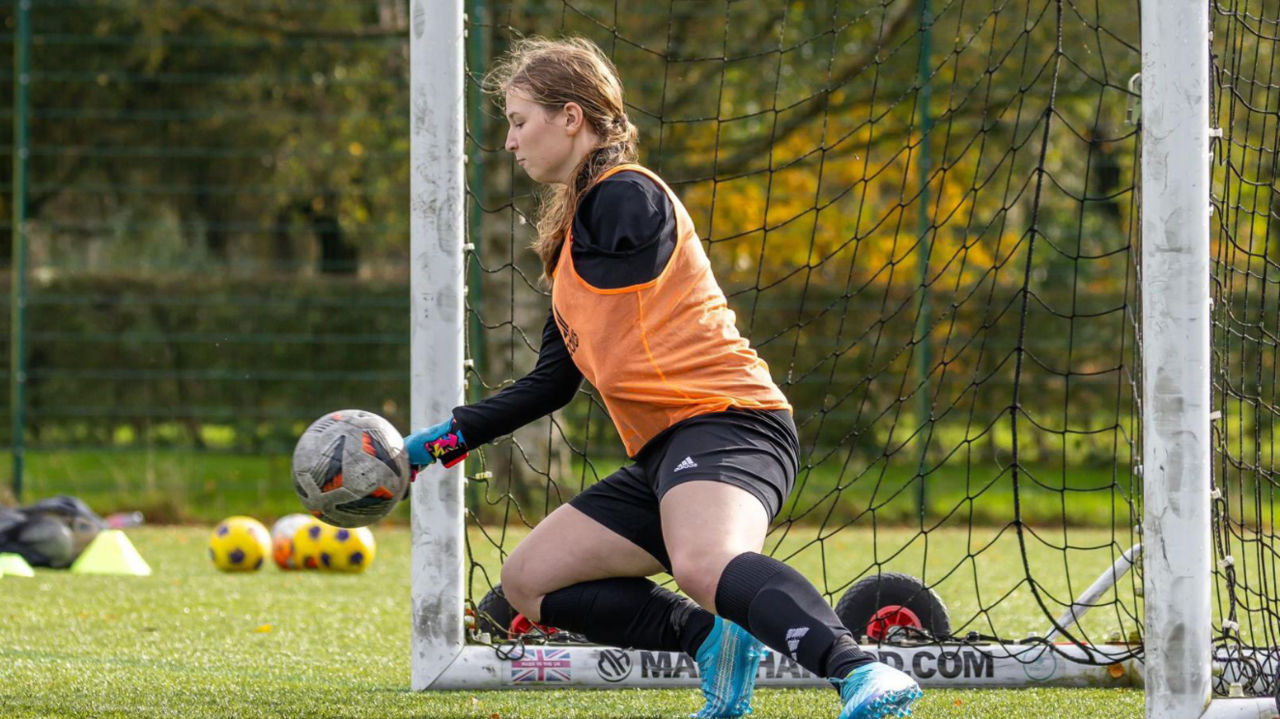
(189, 641)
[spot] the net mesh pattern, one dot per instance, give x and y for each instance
(1245, 82)
(924, 216)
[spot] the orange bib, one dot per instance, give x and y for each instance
(662, 351)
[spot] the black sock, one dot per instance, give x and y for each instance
(629, 612)
(783, 609)
(845, 656)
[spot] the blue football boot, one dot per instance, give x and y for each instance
(877, 691)
(727, 661)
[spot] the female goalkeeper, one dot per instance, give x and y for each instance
(636, 311)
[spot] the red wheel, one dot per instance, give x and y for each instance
(876, 604)
(891, 616)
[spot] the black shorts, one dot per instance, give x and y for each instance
(754, 449)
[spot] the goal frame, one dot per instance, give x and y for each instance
(1178, 663)
(1177, 412)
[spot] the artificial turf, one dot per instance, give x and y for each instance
(189, 641)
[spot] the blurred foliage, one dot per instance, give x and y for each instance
(198, 135)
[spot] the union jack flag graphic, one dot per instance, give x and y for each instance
(542, 665)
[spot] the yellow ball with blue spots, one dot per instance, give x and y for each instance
(239, 544)
(346, 550)
(306, 543)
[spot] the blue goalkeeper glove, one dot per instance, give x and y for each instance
(443, 441)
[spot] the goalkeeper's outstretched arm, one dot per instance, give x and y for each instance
(552, 384)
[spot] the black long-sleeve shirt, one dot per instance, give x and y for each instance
(624, 232)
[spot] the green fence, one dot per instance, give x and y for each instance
(215, 199)
(216, 233)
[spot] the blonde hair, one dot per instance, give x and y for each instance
(554, 73)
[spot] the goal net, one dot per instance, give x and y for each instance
(1245, 226)
(924, 217)
(925, 214)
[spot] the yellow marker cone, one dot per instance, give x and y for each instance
(15, 565)
(111, 553)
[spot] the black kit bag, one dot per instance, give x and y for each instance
(51, 532)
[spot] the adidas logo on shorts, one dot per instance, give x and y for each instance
(688, 463)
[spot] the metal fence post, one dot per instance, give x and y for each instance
(924, 407)
(18, 307)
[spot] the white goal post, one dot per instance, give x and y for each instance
(1175, 368)
(1178, 664)
(1176, 400)
(437, 233)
